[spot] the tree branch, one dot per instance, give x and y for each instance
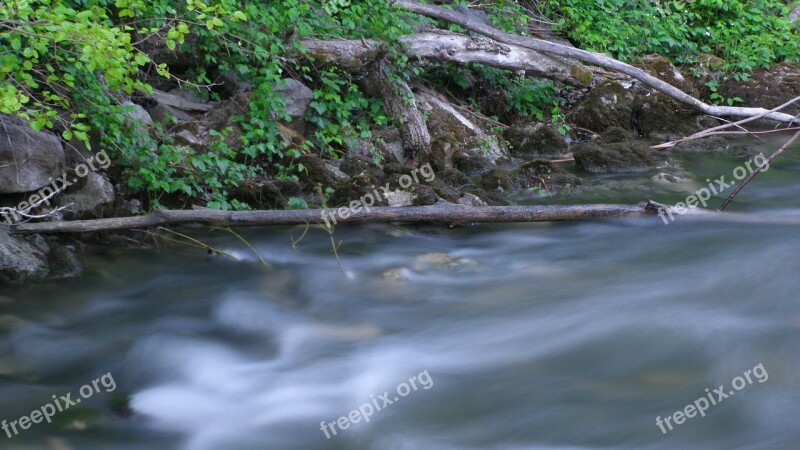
(551, 48)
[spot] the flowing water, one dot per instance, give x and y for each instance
(571, 336)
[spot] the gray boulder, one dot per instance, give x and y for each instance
(296, 96)
(28, 158)
(20, 260)
(92, 193)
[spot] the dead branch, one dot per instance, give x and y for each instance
(439, 213)
(552, 48)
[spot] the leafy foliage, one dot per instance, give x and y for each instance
(745, 33)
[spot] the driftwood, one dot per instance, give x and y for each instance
(445, 46)
(597, 59)
(440, 213)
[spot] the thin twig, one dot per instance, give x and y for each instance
(756, 172)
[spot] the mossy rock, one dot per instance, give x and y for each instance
(445, 190)
(663, 69)
(359, 165)
(621, 157)
(453, 177)
(663, 118)
(262, 194)
(493, 198)
(316, 173)
(470, 164)
(498, 179)
(610, 104)
(718, 145)
(355, 188)
(535, 141)
(424, 195)
(615, 134)
(557, 178)
(767, 88)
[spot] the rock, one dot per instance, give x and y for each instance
(92, 193)
(395, 274)
(453, 177)
(354, 189)
(137, 113)
(432, 261)
(187, 138)
(662, 68)
(317, 172)
(492, 198)
(423, 195)
(166, 114)
(767, 88)
(470, 163)
(63, 261)
(615, 134)
(451, 132)
(355, 165)
(20, 261)
(190, 94)
(471, 200)
(388, 144)
(261, 193)
(610, 104)
(296, 96)
(536, 141)
(29, 160)
(398, 198)
(556, 178)
(621, 157)
(675, 182)
(661, 118)
(445, 190)
(498, 179)
(718, 144)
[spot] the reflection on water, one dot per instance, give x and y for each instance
(537, 336)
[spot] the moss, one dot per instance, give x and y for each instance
(621, 157)
(582, 74)
(498, 179)
(615, 134)
(535, 140)
(608, 105)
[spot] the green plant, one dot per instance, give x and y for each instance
(718, 98)
(745, 33)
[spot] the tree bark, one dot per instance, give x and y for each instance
(444, 46)
(440, 213)
(399, 103)
(551, 48)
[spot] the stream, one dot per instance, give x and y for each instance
(527, 336)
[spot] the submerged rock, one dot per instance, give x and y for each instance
(21, 260)
(33, 258)
(620, 157)
(432, 261)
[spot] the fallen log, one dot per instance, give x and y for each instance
(440, 213)
(447, 213)
(597, 59)
(440, 45)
